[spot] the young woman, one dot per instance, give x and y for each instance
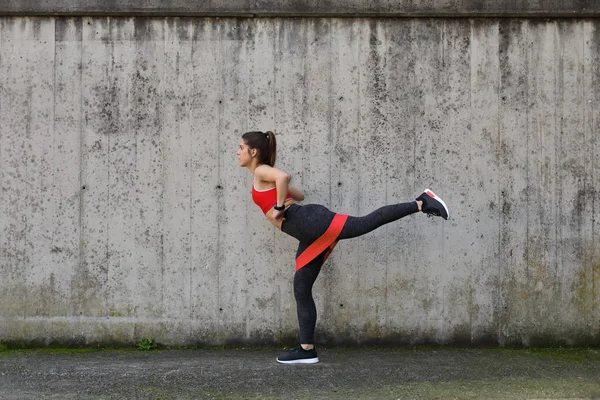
(316, 228)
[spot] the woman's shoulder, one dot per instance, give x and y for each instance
(261, 181)
(270, 175)
(262, 169)
(267, 173)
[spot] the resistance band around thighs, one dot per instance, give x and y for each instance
(327, 241)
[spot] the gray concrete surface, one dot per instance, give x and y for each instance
(307, 8)
(124, 214)
(342, 374)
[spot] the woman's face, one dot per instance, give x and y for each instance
(243, 154)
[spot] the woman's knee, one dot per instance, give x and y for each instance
(302, 295)
(303, 282)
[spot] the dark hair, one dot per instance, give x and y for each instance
(264, 143)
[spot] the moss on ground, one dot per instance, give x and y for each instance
(464, 390)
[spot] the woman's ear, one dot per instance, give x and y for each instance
(253, 152)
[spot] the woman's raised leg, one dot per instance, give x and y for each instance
(357, 226)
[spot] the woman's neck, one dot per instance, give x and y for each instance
(253, 167)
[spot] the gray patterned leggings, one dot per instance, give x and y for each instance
(307, 223)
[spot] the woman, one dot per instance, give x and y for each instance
(316, 228)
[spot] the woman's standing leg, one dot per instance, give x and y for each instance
(304, 279)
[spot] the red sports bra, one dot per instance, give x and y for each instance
(265, 199)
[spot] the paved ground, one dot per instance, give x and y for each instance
(342, 374)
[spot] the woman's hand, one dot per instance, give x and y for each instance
(278, 215)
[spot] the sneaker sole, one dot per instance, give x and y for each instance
(432, 195)
(302, 361)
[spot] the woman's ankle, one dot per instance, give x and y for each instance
(308, 346)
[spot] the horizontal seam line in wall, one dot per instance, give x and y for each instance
(75, 319)
(250, 15)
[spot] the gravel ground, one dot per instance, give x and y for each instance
(342, 374)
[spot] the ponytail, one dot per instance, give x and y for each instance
(272, 147)
(264, 143)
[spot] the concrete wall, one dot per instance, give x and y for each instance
(124, 214)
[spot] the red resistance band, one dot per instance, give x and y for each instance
(326, 242)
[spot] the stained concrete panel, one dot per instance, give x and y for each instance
(205, 211)
(594, 125)
(512, 156)
(477, 181)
